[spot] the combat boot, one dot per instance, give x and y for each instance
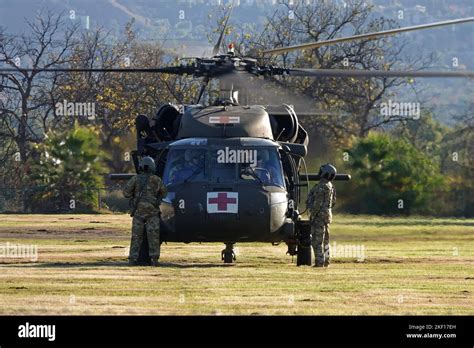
(318, 265)
(154, 262)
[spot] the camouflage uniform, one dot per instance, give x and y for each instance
(321, 199)
(147, 212)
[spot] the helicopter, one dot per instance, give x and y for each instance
(235, 171)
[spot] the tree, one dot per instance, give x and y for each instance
(119, 97)
(25, 107)
(425, 133)
(457, 163)
(69, 168)
(29, 100)
(391, 176)
(350, 103)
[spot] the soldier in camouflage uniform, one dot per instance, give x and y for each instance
(321, 199)
(146, 191)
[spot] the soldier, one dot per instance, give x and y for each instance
(321, 199)
(145, 190)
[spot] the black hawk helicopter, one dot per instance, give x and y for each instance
(234, 171)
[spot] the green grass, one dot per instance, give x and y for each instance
(412, 265)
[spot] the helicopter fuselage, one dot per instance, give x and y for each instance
(237, 193)
(232, 173)
(228, 179)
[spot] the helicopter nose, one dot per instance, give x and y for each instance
(217, 213)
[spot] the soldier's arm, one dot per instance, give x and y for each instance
(163, 189)
(159, 186)
(333, 196)
(129, 189)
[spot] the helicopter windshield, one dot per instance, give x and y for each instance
(266, 168)
(185, 165)
(260, 165)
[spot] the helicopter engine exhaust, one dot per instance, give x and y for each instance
(167, 121)
(284, 122)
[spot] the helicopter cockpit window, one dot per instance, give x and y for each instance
(267, 168)
(221, 171)
(185, 165)
(190, 165)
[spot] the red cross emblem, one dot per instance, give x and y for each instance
(222, 202)
(224, 119)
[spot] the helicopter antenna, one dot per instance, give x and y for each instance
(218, 44)
(279, 135)
(215, 51)
(167, 133)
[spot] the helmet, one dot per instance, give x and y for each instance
(147, 165)
(327, 171)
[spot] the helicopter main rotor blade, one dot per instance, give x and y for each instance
(376, 73)
(204, 84)
(370, 36)
(165, 70)
(218, 44)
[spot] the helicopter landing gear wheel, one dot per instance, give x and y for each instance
(303, 253)
(303, 257)
(228, 255)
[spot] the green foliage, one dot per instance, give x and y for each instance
(426, 134)
(70, 164)
(385, 170)
(450, 148)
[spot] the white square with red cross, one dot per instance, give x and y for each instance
(222, 202)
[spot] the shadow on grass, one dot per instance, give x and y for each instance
(197, 265)
(117, 264)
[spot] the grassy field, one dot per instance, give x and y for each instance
(407, 266)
